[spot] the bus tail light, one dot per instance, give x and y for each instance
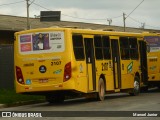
(19, 75)
(67, 72)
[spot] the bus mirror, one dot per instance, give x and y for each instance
(148, 48)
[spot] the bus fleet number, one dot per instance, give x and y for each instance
(56, 63)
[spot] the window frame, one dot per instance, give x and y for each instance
(78, 48)
(98, 47)
(135, 55)
(124, 48)
(108, 48)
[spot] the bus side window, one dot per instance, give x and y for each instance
(106, 47)
(133, 48)
(98, 47)
(124, 46)
(78, 47)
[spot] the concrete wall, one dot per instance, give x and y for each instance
(6, 59)
(6, 67)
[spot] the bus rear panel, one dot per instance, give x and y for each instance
(41, 61)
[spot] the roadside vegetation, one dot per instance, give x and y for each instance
(10, 97)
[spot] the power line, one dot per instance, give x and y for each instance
(91, 19)
(104, 19)
(41, 6)
(124, 18)
(135, 9)
(116, 17)
(153, 26)
(134, 20)
(11, 3)
(31, 2)
(81, 17)
(143, 23)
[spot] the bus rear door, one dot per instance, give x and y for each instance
(90, 62)
(116, 63)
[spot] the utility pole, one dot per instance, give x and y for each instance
(125, 17)
(28, 26)
(28, 23)
(143, 25)
(124, 21)
(110, 21)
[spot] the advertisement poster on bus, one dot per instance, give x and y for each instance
(41, 42)
(153, 42)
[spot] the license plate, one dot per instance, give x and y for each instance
(43, 80)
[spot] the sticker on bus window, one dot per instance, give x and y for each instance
(57, 41)
(40, 41)
(25, 38)
(44, 42)
(26, 47)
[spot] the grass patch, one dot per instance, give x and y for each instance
(10, 97)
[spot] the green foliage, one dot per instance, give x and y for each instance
(10, 97)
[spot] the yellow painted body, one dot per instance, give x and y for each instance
(153, 60)
(81, 75)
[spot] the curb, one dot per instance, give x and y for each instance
(21, 103)
(2, 106)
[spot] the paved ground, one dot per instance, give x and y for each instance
(118, 102)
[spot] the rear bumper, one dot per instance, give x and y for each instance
(68, 85)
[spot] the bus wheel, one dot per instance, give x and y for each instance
(136, 89)
(56, 98)
(101, 90)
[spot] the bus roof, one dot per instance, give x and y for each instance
(81, 31)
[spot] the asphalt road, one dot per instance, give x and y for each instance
(149, 101)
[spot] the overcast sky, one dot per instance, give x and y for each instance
(91, 11)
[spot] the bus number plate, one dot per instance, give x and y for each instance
(43, 80)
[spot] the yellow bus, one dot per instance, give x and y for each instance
(59, 62)
(153, 58)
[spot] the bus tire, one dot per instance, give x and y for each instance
(136, 89)
(101, 90)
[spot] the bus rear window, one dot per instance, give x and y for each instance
(44, 42)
